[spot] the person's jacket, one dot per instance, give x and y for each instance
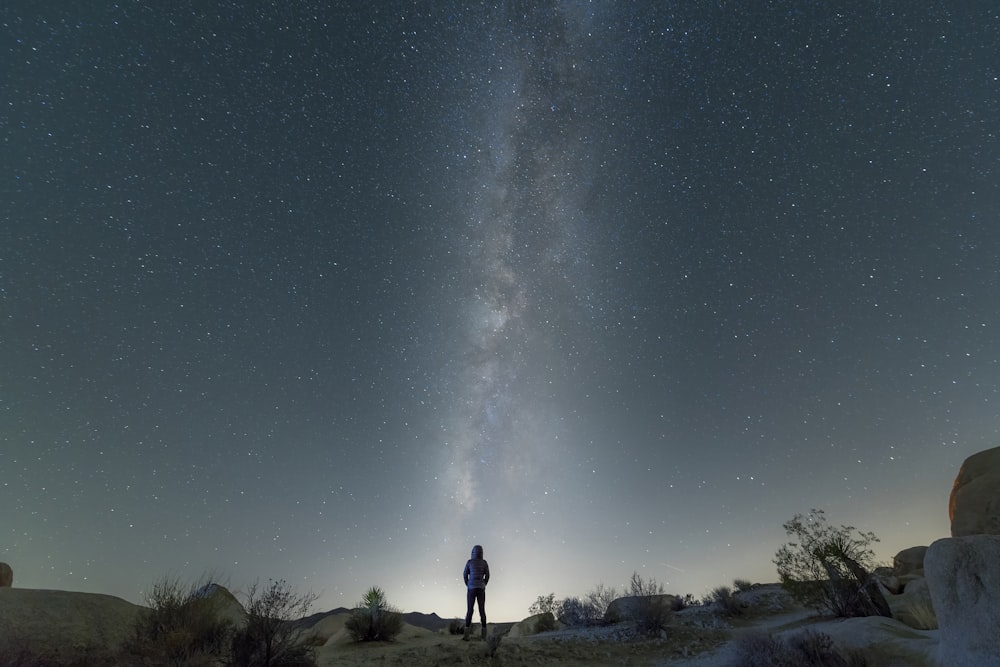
(477, 570)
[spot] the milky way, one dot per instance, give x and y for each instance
(333, 295)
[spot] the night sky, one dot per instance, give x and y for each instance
(330, 292)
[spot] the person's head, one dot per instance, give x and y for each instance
(477, 551)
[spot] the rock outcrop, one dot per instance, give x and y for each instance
(530, 625)
(963, 574)
(631, 607)
(909, 562)
(58, 627)
(913, 606)
(6, 576)
(974, 506)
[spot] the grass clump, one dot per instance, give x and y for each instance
(807, 649)
(374, 619)
(493, 644)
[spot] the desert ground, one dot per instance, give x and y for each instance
(696, 637)
(81, 629)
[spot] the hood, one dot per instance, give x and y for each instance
(477, 551)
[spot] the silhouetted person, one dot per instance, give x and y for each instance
(476, 575)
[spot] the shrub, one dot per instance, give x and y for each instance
(493, 643)
(574, 611)
(830, 567)
(374, 619)
(760, 649)
(456, 626)
(653, 611)
(808, 649)
(545, 604)
(742, 585)
(679, 603)
(652, 615)
(270, 637)
(600, 599)
(722, 598)
(639, 587)
(182, 626)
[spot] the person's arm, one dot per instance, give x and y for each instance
(465, 574)
(486, 576)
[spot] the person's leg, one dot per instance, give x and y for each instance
(481, 599)
(470, 599)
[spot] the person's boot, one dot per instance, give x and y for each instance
(468, 630)
(484, 631)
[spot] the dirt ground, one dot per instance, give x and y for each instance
(696, 637)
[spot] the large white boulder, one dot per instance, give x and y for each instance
(883, 641)
(963, 574)
(529, 626)
(974, 506)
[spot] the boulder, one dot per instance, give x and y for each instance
(974, 506)
(225, 604)
(6, 576)
(909, 561)
(913, 606)
(882, 641)
(629, 608)
(963, 574)
(529, 626)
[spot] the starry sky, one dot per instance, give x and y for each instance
(330, 292)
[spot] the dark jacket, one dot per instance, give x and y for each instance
(477, 570)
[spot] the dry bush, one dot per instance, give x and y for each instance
(742, 585)
(545, 604)
(456, 627)
(725, 602)
(574, 611)
(600, 599)
(270, 637)
(653, 612)
(493, 643)
(182, 627)
(807, 649)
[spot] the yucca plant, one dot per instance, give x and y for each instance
(374, 619)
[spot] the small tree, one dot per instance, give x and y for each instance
(653, 610)
(544, 604)
(374, 619)
(640, 587)
(270, 638)
(574, 611)
(601, 598)
(829, 567)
